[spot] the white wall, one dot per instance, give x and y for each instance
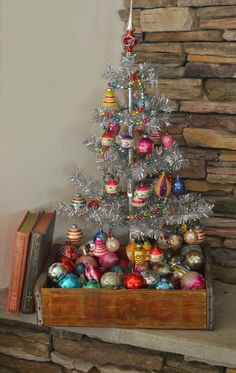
(53, 53)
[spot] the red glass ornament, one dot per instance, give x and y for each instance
(145, 146)
(133, 281)
(70, 266)
(167, 141)
(93, 203)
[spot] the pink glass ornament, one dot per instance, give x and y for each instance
(100, 247)
(108, 260)
(145, 146)
(192, 281)
(92, 273)
(167, 141)
(114, 129)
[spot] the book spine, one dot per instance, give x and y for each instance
(18, 272)
(27, 304)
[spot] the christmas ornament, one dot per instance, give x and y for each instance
(70, 266)
(127, 142)
(129, 40)
(163, 284)
(92, 284)
(194, 260)
(118, 269)
(137, 202)
(175, 243)
(78, 201)
(86, 259)
(110, 280)
(155, 137)
(56, 270)
(139, 253)
(69, 251)
(114, 129)
(156, 255)
(111, 187)
(107, 140)
(179, 269)
(92, 273)
(112, 244)
(186, 249)
(100, 234)
(176, 281)
(89, 247)
(142, 191)
(162, 186)
(69, 281)
(167, 141)
(177, 186)
(79, 269)
(133, 281)
(109, 99)
(162, 269)
(177, 259)
(145, 146)
(190, 237)
(108, 260)
(192, 281)
(201, 235)
(130, 250)
(100, 247)
(163, 241)
(150, 277)
(74, 234)
(138, 268)
(147, 247)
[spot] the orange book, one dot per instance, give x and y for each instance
(19, 260)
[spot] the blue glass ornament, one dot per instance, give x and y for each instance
(69, 281)
(101, 235)
(80, 269)
(178, 186)
(163, 284)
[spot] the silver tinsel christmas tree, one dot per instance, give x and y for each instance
(138, 158)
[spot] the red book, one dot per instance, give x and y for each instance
(39, 248)
(19, 259)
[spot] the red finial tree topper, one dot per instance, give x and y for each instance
(129, 40)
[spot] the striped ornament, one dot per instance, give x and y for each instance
(74, 234)
(78, 201)
(109, 99)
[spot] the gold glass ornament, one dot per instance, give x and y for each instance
(175, 242)
(194, 260)
(139, 254)
(130, 250)
(147, 247)
(190, 237)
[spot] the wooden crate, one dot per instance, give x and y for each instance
(143, 308)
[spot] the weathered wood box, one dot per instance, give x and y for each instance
(143, 308)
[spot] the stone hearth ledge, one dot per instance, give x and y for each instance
(217, 347)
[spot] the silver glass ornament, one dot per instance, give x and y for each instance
(55, 271)
(187, 248)
(150, 277)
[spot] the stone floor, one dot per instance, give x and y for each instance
(216, 347)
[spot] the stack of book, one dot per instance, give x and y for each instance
(33, 242)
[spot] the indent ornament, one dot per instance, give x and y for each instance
(107, 140)
(111, 187)
(162, 186)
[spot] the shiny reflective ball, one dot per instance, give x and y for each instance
(56, 270)
(194, 260)
(69, 281)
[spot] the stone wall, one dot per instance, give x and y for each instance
(191, 44)
(27, 349)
